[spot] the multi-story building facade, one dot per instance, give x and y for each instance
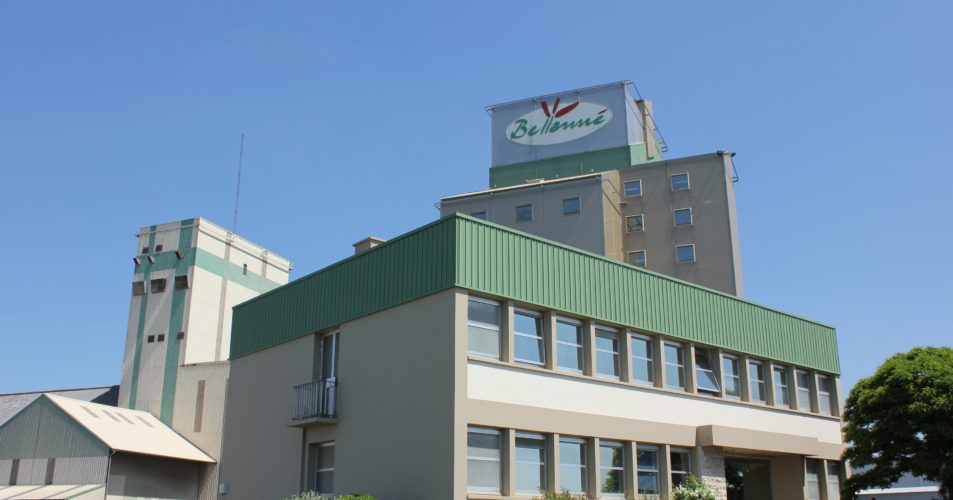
(469, 360)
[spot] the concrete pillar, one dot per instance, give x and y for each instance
(589, 348)
(665, 471)
(745, 378)
(719, 369)
(792, 387)
(659, 346)
(709, 465)
(549, 339)
(509, 461)
(688, 352)
(625, 356)
(592, 469)
(631, 481)
(769, 381)
(506, 331)
(552, 462)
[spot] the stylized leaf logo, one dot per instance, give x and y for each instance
(546, 109)
(567, 109)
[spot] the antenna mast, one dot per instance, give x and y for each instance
(238, 188)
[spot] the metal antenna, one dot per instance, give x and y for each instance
(238, 189)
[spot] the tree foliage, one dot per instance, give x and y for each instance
(901, 420)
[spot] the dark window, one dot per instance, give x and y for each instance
(138, 288)
(14, 471)
(571, 206)
(680, 182)
(158, 248)
(524, 213)
(160, 337)
(479, 215)
(633, 188)
(181, 282)
(683, 217)
(180, 336)
(634, 223)
(157, 285)
(151, 338)
(145, 249)
(244, 269)
(685, 253)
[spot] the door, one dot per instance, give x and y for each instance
(748, 479)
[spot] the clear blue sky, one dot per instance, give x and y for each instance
(359, 116)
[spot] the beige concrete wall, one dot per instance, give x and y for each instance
(146, 477)
(714, 228)
(787, 478)
(583, 230)
(261, 454)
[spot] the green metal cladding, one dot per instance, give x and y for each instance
(570, 165)
(460, 251)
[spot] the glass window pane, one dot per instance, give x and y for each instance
(634, 223)
(731, 376)
(529, 349)
(572, 470)
(524, 213)
(483, 461)
(530, 465)
(813, 480)
(479, 215)
(633, 188)
(781, 397)
(643, 369)
(756, 374)
(611, 456)
(611, 468)
(568, 333)
(480, 445)
(679, 182)
(680, 461)
(569, 357)
(325, 457)
(325, 482)
(648, 483)
(647, 459)
(483, 341)
(685, 253)
(833, 481)
(705, 376)
(674, 366)
(482, 312)
(612, 481)
(571, 206)
(683, 217)
(607, 353)
(637, 258)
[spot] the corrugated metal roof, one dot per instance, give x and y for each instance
(461, 251)
(11, 404)
(132, 431)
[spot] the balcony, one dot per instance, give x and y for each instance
(314, 403)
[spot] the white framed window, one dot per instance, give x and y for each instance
(324, 469)
(647, 469)
(833, 480)
(483, 327)
(682, 216)
(634, 223)
(569, 350)
(803, 380)
(756, 382)
(611, 469)
(685, 253)
(705, 377)
(530, 463)
(781, 386)
(572, 206)
(731, 374)
(524, 213)
(484, 467)
(607, 353)
(643, 359)
(681, 465)
(633, 188)
(813, 468)
(680, 182)
(573, 467)
(637, 258)
(674, 365)
(528, 345)
(479, 215)
(824, 395)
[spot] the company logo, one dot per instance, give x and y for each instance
(556, 125)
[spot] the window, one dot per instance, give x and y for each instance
(824, 394)
(483, 328)
(324, 480)
(158, 248)
(683, 216)
(647, 471)
(633, 188)
(781, 385)
(573, 473)
(180, 336)
(138, 288)
(571, 206)
(157, 285)
(634, 223)
(160, 337)
(813, 479)
(181, 282)
(637, 258)
(145, 250)
(569, 350)
(732, 376)
(150, 338)
(479, 215)
(756, 381)
(685, 253)
(483, 460)
(680, 182)
(674, 366)
(803, 390)
(244, 269)
(528, 338)
(705, 377)
(524, 213)
(833, 481)
(611, 468)
(530, 463)
(681, 466)
(607, 353)
(643, 360)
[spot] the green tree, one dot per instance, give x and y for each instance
(901, 420)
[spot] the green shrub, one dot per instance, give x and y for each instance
(692, 488)
(354, 496)
(311, 495)
(562, 495)
(305, 495)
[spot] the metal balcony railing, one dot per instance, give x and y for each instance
(315, 399)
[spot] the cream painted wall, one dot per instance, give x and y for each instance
(552, 391)
(203, 318)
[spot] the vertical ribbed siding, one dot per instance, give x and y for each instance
(42, 430)
(403, 269)
(500, 261)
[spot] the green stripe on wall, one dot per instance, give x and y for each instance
(141, 324)
(173, 345)
(233, 272)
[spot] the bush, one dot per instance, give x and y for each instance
(354, 496)
(692, 488)
(310, 495)
(562, 495)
